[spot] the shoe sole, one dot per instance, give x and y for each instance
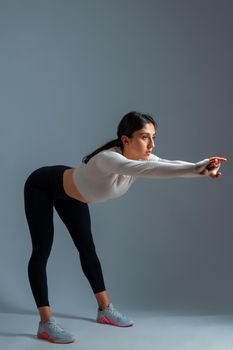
(106, 320)
(46, 336)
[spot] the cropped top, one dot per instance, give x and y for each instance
(109, 174)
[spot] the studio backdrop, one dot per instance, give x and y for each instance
(69, 71)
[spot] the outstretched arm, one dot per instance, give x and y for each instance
(113, 162)
(210, 170)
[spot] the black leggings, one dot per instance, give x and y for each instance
(43, 189)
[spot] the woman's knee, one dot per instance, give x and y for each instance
(39, 256)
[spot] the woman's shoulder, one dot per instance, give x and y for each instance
(106, 157)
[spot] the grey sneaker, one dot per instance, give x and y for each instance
(54, 333)
(113, 317)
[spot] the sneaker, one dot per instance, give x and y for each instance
(113, 317)
(54, 333)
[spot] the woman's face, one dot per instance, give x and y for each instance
(141, 144)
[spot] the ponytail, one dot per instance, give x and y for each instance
(108, 145)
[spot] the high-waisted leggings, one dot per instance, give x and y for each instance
(44, 190)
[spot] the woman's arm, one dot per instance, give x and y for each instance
(200, 168)
(113, 162)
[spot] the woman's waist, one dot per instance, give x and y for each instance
(69, 187)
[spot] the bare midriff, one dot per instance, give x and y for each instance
(70, 188)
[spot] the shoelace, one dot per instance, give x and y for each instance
(56, 327)
(116, 313)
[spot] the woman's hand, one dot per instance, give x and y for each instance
(213, 166)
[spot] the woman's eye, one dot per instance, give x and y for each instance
(144, 137)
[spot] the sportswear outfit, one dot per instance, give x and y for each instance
(107, 175)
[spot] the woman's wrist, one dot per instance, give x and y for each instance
(201, 167)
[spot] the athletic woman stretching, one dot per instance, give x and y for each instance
(108, 172)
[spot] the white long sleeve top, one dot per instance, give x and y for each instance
(109, 174)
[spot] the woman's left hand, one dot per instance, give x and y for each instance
(214, 162)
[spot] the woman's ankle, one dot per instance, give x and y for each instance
(45, 313)
(102, 307)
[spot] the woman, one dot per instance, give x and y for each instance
(108, 172)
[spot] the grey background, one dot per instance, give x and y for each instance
(69, 71)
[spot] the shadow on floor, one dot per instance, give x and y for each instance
(10, 334)
(9, 309)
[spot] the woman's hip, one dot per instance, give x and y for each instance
(48, 178)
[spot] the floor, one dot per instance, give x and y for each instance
(151, 331)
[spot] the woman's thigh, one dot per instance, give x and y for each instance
(41, 188)
(39, 214)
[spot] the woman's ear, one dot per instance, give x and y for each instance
(124, 139)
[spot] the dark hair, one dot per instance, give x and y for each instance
(130, 123)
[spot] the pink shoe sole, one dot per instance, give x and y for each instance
(106, 320)
(45, 336)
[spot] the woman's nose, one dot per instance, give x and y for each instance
(152, 144)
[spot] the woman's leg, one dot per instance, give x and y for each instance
(76, 216)
(39, 213)
(39, 190)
